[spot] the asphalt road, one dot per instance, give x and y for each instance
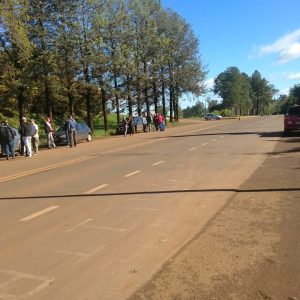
(99, 220)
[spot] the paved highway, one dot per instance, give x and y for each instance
(99, 220)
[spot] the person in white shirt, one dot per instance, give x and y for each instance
(35, 138)
(48, 130)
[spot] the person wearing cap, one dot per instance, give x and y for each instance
(26, 133)
(35, 137)
(7, 137)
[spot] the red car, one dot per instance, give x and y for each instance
(292, 119)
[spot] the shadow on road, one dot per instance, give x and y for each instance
(293, 137)
(262, 190)
(261, 134)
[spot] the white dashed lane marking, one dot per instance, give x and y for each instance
(38, 214)
(132, 173)
(204, 144)
(96, 189)
(158, 163)
(192, 149)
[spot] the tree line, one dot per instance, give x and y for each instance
(242, 94)
(88, 57)
(285, 101)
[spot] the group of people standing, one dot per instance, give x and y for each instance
(153, 122)
(150, 123)
(29, 134)
(29, 138)
(159, 122)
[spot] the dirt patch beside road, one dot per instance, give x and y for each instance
(251, 249)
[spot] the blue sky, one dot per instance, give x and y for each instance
(261, 35)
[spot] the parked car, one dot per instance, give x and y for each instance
(137, 123)
(212, 117)
(292, 119)
(83, 133)
(17, 144)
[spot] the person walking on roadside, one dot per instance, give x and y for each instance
(48, 131)
(26, 133)
(35, 138)
(72, 131)
(7, 138)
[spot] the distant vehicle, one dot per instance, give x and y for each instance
(292, 119)
(212, 117)
(83, 133)
(17, 144)
(137, 123)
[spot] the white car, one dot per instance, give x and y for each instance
(213, 117)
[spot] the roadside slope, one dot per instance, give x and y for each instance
(251, 249)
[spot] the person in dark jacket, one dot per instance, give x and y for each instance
(130, 125)
(27, 130)
(66, 130)
(7, 137)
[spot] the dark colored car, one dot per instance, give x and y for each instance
(292, 119)
(83, 134)
(137, 123)
(213, 117)
(17, 144)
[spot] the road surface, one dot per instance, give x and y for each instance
(100, 220)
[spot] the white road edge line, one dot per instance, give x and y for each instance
(38, 214)
(158, 163)
(96, 189)
(132, 173)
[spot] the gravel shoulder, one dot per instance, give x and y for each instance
(250, 249)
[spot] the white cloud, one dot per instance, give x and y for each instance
(287, 48)
(293, 76)
(209, 83)
(284, 92)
